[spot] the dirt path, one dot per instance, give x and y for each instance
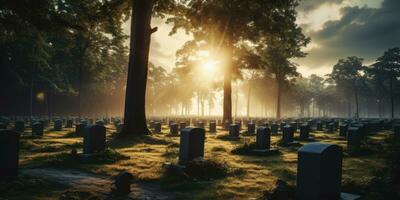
(100, 186)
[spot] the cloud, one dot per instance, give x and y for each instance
(308, 5)
(361, 31)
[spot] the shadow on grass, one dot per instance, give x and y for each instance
(76, 161)
(26, 187)
(130, 141)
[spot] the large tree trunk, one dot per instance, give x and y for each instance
(227, 109)
(135, 112)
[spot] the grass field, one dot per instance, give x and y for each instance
(145, 157)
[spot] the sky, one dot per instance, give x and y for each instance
(337, 28)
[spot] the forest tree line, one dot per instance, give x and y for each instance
(72, 60)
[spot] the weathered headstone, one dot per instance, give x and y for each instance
(263, 142)
(319, 126)
(191, 144)
(94, 139)
(182, 125)
(119, 127)
(282, 125)
(213, 126)
(19, 126)
(330, 127)
(304, 131)
(343, 130)
(353, 138)
(274, 128)
(9, 154)
(251, 128)
(58, 125)
(234, 130)
(100, 122)
(287, 136)
(157, 127)
(319, 172)
(294, 126)
(200, 124)
(37, 129)
(174, 129)
(80, 129)
(69, 124)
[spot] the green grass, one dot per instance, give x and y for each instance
(244, 176)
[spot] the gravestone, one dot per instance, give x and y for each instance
(362, 129)
(319, 126)
(274, 128)
(343, 130)
(234, 130)
(287, 136)
(330, 127)
(19, 126)
(9, 154)
(58, 125)
(304, 131)
(191, 144)
(282, 125)
(182, 125)
(263, 142)
(227, 125)
(37, 129)
(353, 138)
(100, 122)
(251, 128)
(94, 139)
(174, 129)
(213, 126)
(200, 124)
(263, 138)
(294, 126)
(69, 124)
(80, 129)
(157, 127)
(119, 127)
(319, 172)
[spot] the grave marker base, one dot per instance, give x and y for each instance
(309, 139)
(292, 144)
(347, 196)
(266, 152)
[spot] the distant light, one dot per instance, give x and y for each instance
(40, 96)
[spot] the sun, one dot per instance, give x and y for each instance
(209, 66)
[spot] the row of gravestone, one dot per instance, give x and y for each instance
(94, 140)
(319, 169)
(318, 172)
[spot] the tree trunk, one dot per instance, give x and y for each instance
(227, 109)
(349, 107)
(278, 99)
(356, 99)
(135, 100)
(236, 100)
(248, 101)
